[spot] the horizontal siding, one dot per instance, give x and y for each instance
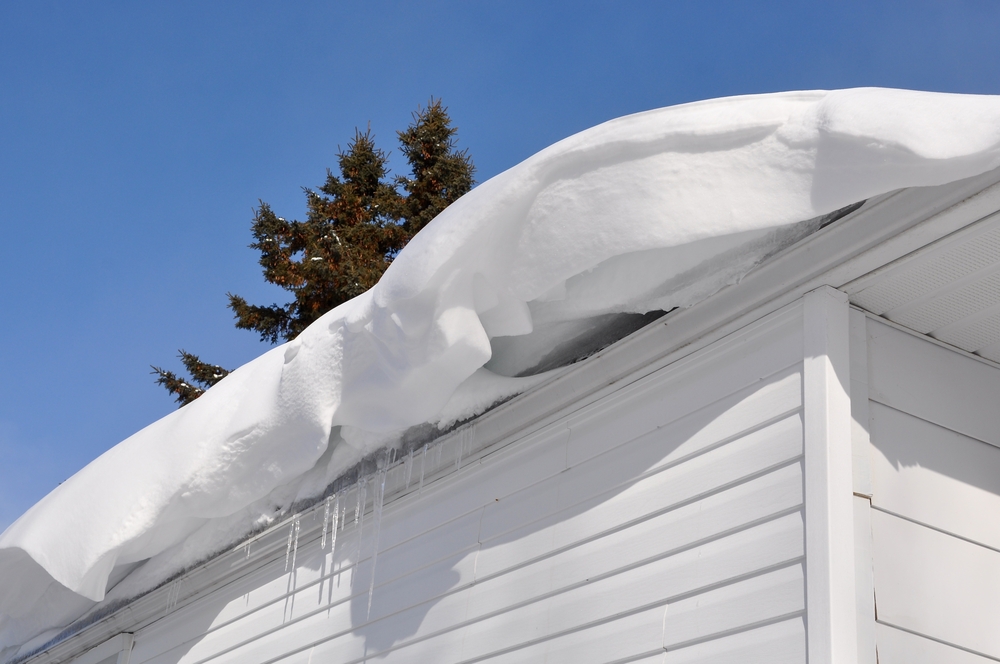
(659, 523)
(599, 643)
(939, 385)
(525, 617)
(898, 647)
(782, 642)
(935, 584)
(935, 519)
(935, 476)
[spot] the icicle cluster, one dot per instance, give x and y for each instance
(292, 548)
(379, 499)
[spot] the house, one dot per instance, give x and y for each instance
(804, 465)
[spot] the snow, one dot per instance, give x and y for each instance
(647, 212)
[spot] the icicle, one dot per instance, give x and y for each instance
(362, 490)
(336, 513)
(423, 465)
(295, 543)
(461, 447)
(173, 594)
(377, 509)
(343, 516)
(326, 522)
(246, 551)
(408, 470)
(288, 549)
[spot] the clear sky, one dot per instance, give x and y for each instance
(136, 139)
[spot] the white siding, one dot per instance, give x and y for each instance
(662, 523)
(830, 581)
(896, 645)
(935, 474)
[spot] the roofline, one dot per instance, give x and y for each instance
(883, 230)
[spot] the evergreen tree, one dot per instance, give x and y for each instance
(355, 225)
(441, 174)
(203, 376)
(338, 252)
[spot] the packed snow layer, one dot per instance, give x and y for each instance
(647, 212)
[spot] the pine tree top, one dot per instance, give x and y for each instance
(355, 224)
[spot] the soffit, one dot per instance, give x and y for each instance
(948, 290)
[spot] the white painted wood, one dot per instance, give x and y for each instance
(952, 263)
(935, 469)
(934, 383)
(306, 613)
(688, 492)
(606, 599)
(955, 215)
(125, 656)
(687, 428)
(769, 494)
(864, 588)
(738, 364)
(935, 584)
(552, 596)
(783, 642)
(898, 647)
(864, 591)
(636, 635)
(582, 490)
(830, 581)
(678, 523)
(115, 650)
(770, 543)
(936, 476)
(860, 439)
(715, 610)
(720, 611)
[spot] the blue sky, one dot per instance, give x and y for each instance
(136, 139)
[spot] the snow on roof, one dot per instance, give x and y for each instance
(647, 212)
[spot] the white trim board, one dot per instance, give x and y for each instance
(830, 579)
(120, 645)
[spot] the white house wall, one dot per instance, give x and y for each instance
(934, 427)
(662, 523)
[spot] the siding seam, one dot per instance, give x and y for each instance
(691, 545)
(652, 515)
(798, 560)
(926, 337)
(622, 526)
(930, 422)
(937, 640)
(734, 630)
(934, 528)
(607, 619)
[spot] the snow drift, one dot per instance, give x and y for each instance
(647, 212)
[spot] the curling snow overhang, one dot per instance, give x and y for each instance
(666, 208)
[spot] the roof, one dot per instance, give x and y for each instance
(726, 203)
